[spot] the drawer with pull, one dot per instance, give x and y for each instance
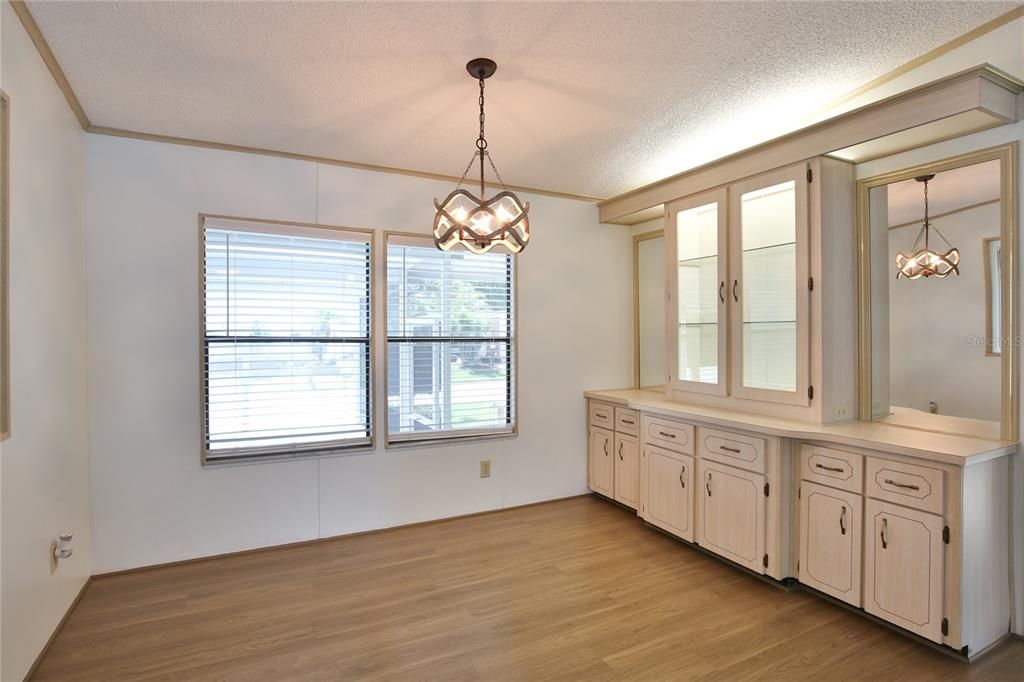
(668, 434)
(601, 414)
(834, 468)
(735, 449)
(627, 421)
(910, 485)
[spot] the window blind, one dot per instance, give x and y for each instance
(451, 342)
(286, 356)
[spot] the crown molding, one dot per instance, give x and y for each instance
(32, 28)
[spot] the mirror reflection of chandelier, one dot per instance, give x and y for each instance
(925, 262)
(475, 222)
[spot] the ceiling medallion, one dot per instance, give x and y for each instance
(927, 263)
(475, 222)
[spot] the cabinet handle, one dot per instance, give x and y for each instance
(707, 484)
(728, 449)
(735, 297)
(682, 482)
(601, 415)
(885, 526)
(666, 435)
(908, 486)
(605, 447)
(838, 470)
(620, 450)
(842, 520)
(627, 421)
(721, 291)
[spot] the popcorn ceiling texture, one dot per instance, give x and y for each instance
(590, 98)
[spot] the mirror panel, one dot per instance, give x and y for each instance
(649, 284)
(935, 361)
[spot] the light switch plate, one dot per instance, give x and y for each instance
(485, 468)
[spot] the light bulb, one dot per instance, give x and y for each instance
(503, 215)
(459, 214)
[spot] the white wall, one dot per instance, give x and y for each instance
(948, 367)
(151, 500)
(45, 479)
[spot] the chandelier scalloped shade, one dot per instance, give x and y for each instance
(477, 223)
(499, 221)
(925, 262)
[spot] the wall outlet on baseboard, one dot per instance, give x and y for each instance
(485, 468)
(840, 413)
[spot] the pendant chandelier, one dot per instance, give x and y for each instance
(475, 222)
(927, 263)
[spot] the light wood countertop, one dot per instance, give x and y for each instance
(940, 447)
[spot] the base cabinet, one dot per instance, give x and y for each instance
(732, 514)
(667, 478)
(903, 576)
(830, 541)
(600, 469)
(627, 470)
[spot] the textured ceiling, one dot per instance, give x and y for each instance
(590, 98)
(947, 191)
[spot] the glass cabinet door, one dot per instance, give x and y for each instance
(769, 288)
(695, 250)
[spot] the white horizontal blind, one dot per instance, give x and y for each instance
(287, 340)
(451, 348)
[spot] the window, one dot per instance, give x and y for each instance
(451, 342)
(286, 343)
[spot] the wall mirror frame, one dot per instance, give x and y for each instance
(1006, 155)
(640, 340)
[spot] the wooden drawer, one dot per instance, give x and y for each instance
(627, 421)
(668, 434)
(735, 449)
(910, 485)
(601, 414)
(834, 468)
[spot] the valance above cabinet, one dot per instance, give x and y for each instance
(761, 278)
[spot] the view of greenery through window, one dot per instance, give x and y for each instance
(449, 340)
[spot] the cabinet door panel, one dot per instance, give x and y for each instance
(903, 568)
(830, 541)
(669, 486)
(696, 237)
(600, 470)
(732, 520)
(769, 265)
(627, 470)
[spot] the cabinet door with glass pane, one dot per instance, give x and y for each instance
(696, 266)
(769, 291)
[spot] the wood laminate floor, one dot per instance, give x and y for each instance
(577, 589)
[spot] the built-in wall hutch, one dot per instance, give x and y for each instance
(764, 445)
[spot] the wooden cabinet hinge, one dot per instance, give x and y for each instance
(945, 626)
(945, 534)
(810, 392)
(810, 175)
(764, 561)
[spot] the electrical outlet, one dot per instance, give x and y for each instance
(840, 413)
(485, 468)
